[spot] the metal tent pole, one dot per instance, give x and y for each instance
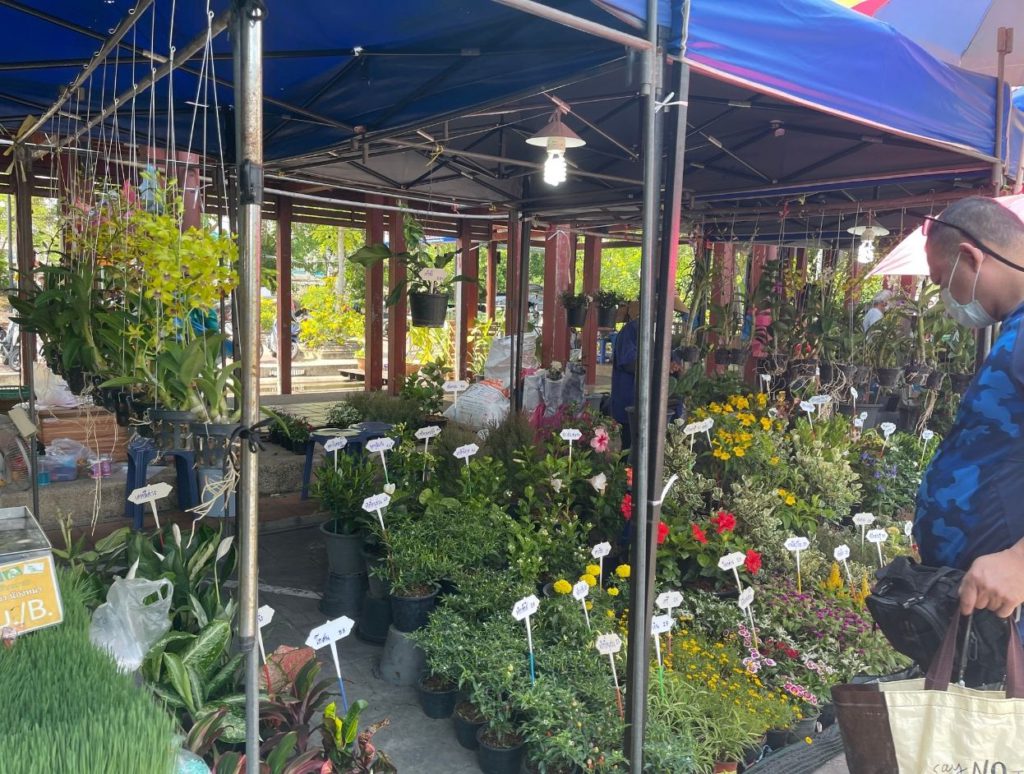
(522, 305)
(248, 50)
(24, 182)
(638, 660)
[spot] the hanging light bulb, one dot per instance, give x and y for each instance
(866, 251)
(556, 137)
(867, 234)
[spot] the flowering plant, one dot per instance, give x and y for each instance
(693, 551)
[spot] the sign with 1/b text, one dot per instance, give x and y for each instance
(29, 595)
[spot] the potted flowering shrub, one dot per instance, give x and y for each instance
(576, 306)
(289, 431)
(343, 481)
(608, 303)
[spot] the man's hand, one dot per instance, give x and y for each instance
(995, 582)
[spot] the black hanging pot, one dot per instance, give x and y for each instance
(576, 316)
(935, 380)
(75, 378)
(172, 429)
(212, 442)
(887, 377)
(122, 409)
(849, 372)
(827, 371)
(428, 310)
(140, 413)
(690, 354)
(803, 369)
(606, 316)
(961, 382)
(916, 373)
(724, 357)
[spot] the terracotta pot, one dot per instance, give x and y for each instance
(723, 766)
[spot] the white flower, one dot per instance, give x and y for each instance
(176, 532)
(224, 547)
(556, 365)
(556, 484)
(389, 488)
(599, 482)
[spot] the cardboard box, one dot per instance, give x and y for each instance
(91, 426)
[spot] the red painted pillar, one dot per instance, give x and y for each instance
(559, 252)
(284, 296)
(492, 279)
(512, 275)
(591, 284)
(374, 339)
(468, 265)
(723, 274)
(761, 316)
(398, 323)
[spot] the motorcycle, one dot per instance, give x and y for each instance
(10, 345)
(272, 338)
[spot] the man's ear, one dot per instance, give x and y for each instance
(971, 254)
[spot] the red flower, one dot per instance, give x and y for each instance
(629, 477)
(698, 534)
(627, 506)
(753, 563)
(724, 522)
(662, 532)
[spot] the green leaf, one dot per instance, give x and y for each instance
(224, 679)
(179, 680)
(208, 648)
(279, 757)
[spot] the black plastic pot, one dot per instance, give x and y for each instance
(410, 613)
(828, 715)
(576, 316)
(915, 373)
(343, 595)
(803, 369)
(172, 429)
(437, 704)
(374, 620)
(777, 738)
(725, 357)
(140, 412)
(961, 382)
(428, 310)
(76, 380)
(827, 371)
(887, 377)
(122, 408)
(606, 316)
(344, 552)
(498, 760)
(850, 373)
(212, 443)
(934, 380)
(465, 730)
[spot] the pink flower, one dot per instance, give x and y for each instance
(599, 442)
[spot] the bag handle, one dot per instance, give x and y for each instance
(941, 671)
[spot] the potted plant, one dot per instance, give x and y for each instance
(289, 431)
(887, 347)
(343, 481)
(427, 281)
(438, 688)
(576, 306)
(608, 303)
(426, 389)
(350, 750)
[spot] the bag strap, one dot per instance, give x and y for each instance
(941, 670)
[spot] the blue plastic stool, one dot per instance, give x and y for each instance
(604, 344)
(141, 452)
(358, 435)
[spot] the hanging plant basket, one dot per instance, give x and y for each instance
(827, 371)
(606, 316)
(935, 378)
(576, 316)
(75, 378)
(724, 357)
(887, 377)
(690, 354)
(213, 443)
(803, 369)
(172, 429)
(428, 310)
(961, 382)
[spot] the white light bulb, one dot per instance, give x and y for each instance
(554, 168)
(866, 251)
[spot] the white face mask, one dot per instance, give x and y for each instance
(971, 314)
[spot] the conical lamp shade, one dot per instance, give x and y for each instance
(558, 131)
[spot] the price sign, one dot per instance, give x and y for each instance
(887, 428)
(609, 644)
(601, 550)
(746, 598)
(797, 544)
(863, 519)
(465, 452)
(571, 434)
(150, 494)
(878, 536)
(661, 624)
(732, 561)
(820, 400)
(459, 385)
(377, 502)
(580, 591)
(335, 444)
(330, 632)
(432, 275)
(264, 615)
(525, 607)
(380, 445)
(428, 432)
(667, 600)
(29, 594)
(841, 553)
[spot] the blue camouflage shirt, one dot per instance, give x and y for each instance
(971, 500)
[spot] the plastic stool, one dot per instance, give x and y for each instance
(604, 344)
(140, 455)
(355, 443)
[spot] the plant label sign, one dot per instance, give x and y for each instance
(841, 553)
(433, 276)
(820, 400)
(877, 536)
(661, 624)
(609, 644)
(465, 452)
(854, 393)
(667, 600)
(378, 503)
(887, 428)
(335, 444)
(330, 632)
(380, 445)
(150, 494)
(732, 561)
(746, 598)
(858, 423)
(525, 607)
(908, 528)
(580, 591)
(806, 405)
(571, 434)
(456, 386)
(863, 519)
(692, 429)
(428, 432)
(927, 435)
(796, 544)
(601, 550)
(264, 615)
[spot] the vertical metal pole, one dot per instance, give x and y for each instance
(24, 183)
(638, 663)
(522, 305)
(1004, 46)
(248, 52)
(10, 238)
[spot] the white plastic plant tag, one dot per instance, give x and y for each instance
(458, 385)
(580, 591)
(692, 429)
(465, 452)
(887, 428)
(661, 624)
(332, 631)
(707, 424)
(854, 393)
(667, 600)
(571, 434)
(264, 615)
(806, 405)
(858, 423)
(841, 553)
(428, 432)
(877, 536)
(863, 519)
(608, 644)
(927, 435)
(335, 444)
(377, 502)
(773, 413)
(601, 550)
(863, 415)
(820, 400)
(150, 492)
(797, 544)
(525, 607)
(732, 561)
(380, 445)
(432, 275)
(746, 598)
(908, 528)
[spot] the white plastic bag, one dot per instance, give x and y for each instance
(499, 359)
(51, 390)
(125, 626)
(482, 405)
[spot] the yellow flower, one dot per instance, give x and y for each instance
(790, 500)
(714, 408)
(622, 570)
(773, 461)
(724, 455)
(762, 400)
(808, 740)
(562, 586)
(589, 605)
(766, 423)
(727, 409)
(613, 592)
(589, 579)
(593, 569)
(610, 613)
(738, 451)
(781, 492)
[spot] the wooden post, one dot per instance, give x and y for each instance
(591, 284)
(512, 274)
(24, 182)
(468, 293)
(284, 296)
(758, 258)
(398, 323)
(723, 270)
(374, 338)
(559, 246)
(492, 279)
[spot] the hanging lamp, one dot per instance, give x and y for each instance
(867, 234)
(556, 137)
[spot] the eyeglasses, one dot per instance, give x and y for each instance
(926, 227)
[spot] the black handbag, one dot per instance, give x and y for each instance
(913, 605)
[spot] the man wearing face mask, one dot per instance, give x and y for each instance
(970, 507)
